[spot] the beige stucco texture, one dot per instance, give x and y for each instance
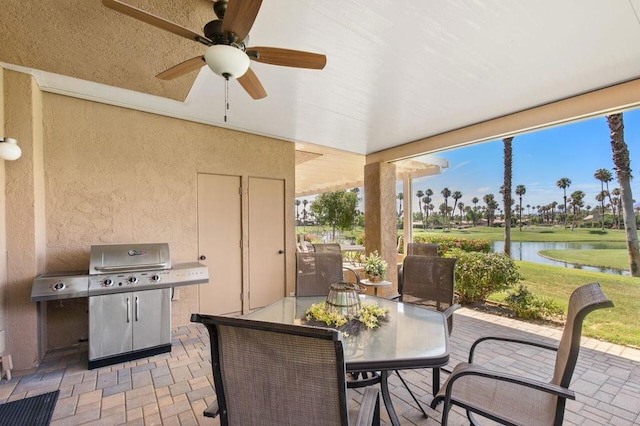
(113, 175)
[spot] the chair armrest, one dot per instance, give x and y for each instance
(450, 310)
(511, 340)
(369, 408)
(212, 411)
(355, 274)
(462, 370)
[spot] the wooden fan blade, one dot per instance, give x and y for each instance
(154, 20)
(249, 81)
(182, 68)
(288, 57)
(239, 17)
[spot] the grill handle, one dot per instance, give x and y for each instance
(131, 267)
(128, 310)
(137, 309)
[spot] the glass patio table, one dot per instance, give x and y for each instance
(412, 337)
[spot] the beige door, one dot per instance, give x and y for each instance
(219, 237)
(266, 241)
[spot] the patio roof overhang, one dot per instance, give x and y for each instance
(321, 169)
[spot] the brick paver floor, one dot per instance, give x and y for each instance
(174, 389)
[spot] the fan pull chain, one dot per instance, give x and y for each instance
(226, 98)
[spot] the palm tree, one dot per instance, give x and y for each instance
(520, 191)
(298, 202)
(564, 183)
(576, 203)
(304, 210)
(461, 208)
(616, 205)
(420, 194)
(508, 164)
(553, 206)
(491, 206)
(604, 176)
(428, 193)
(600, 197)
(425, 205)
(446, 193)
(475, 201)
(400, 197)
(623, 173)
(456, 196)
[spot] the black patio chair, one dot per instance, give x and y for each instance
(327, 248)
(317, 271)
(517, 400)
(422, 249)
(280, 374)
(429, 281)
(419, 249)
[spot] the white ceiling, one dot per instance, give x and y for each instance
(396, 71)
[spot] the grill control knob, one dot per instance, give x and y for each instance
(155, 278)
(132, 279)
(58, 286)
(107, 282)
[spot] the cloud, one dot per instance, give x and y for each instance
(483, 189)
(459, 165)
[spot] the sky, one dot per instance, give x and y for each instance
(540, 159)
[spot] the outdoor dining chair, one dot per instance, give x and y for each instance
(280, 374)
(327, 248)
(429, 281)
(317, 271)
(422, 249)
(516, 400)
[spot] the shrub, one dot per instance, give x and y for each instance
(480, 274)
(446, 243)
(526, 305)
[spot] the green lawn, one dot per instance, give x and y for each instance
(618, 325)
(609, 258)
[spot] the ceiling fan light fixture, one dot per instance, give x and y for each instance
(226, 61)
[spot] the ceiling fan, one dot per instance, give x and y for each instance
(226, 39)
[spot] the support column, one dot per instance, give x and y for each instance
(25, 221)
(407, 222)
(380, 217)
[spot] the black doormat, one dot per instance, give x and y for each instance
(36, 410)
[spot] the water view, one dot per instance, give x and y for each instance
(528, 252)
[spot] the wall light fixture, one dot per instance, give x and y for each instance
(9, 149)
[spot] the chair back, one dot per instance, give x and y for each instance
(268, 374)
(327, 248)
(422, 249)
(316, 272)
(429, 281)
(583, 300)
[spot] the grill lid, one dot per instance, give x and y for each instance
(111, 258)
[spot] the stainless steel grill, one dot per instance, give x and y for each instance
(118, 268)
(129, 291)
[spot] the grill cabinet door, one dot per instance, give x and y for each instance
(151, 318)
(110, 325)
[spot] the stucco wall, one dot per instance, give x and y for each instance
(24, 183)
(3, 229)
(115, 175)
